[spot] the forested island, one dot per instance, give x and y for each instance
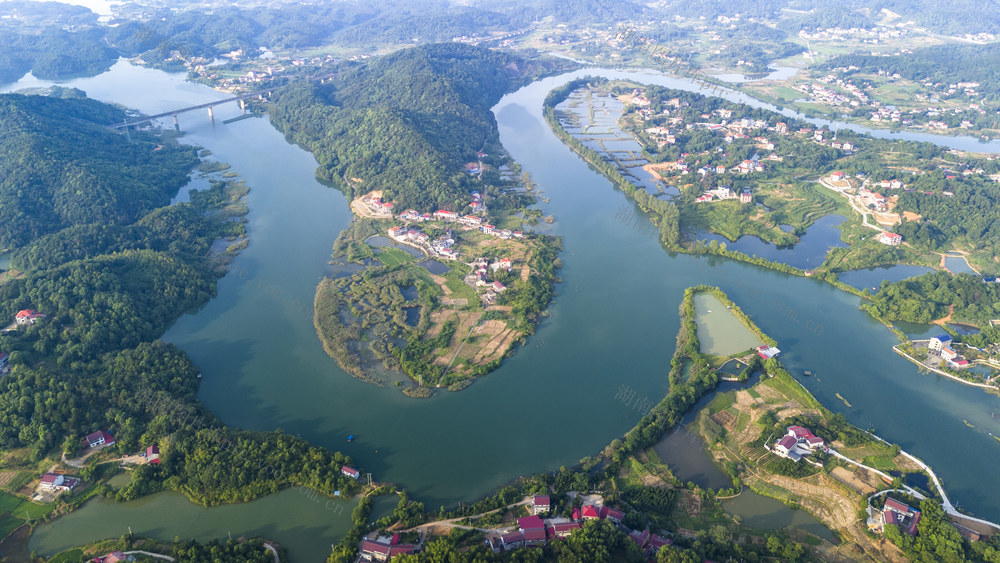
(105, 263)
(411, 139)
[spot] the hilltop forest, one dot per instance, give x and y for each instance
(100, 251)
(406, 123)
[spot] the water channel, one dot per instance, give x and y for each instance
(612, 324)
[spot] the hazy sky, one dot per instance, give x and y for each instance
(102, 7)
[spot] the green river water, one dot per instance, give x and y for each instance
(612, 323)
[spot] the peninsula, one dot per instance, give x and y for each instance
(452, 278)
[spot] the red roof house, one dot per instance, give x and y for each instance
(99, 438)
(540, 503)
(153, 454)
(350, 472)
(590, 512)
(530, 522)
(27, 316)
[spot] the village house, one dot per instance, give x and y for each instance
(593, 512)
(540, 504)
(937, 343)
(445, 215)
(897, 514)
(381, 207)
(798, 442)
(767, 352)
(562, 529)
(384, 548)
(412, 215)
(99, 439)
(27, 317)
(153, 454)
(471, 220)
(746, 196)
(350, 472)
(504, 264)
(648, 542)
(892, 239)
(533, 529)
(512, 540)
(56, 482)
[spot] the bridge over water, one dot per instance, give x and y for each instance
(239, 98)
(175, 112)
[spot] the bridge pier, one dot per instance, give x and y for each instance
(211, 116)
(243, 106)
(177, 124)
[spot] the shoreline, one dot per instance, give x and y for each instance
(942, 373)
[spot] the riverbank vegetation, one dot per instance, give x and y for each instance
(240, 550)
(628, 475)
(113, 268)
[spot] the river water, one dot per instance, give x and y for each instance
(612, 326)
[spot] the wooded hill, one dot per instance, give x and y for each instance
(406, 123)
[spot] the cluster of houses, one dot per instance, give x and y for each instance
(442, 247)
(821, 94)
(872, 199)
(384, 548)
(379, 207)
(797, 443)
(732, 130)
(941, 345)
(533, 530)
(894, 513)
(723, 193)
(479, 278)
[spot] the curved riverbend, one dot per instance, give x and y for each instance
(612, 324)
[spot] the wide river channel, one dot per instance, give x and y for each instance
(612, 324)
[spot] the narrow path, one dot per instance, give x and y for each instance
(451, 521)
(273, 551)
(460, 346)
(155, 555)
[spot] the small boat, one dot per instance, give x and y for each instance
(807, 372)
(350, 438)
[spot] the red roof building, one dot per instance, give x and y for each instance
(350, 472)
(590, 512)
(99, 438)
(512, 540)
(529, 522)
(534, 536)
(153, 454)
(540, 504)
(563, 529)
(612, 514)
(27, 316)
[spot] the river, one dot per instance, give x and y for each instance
(612, 324)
